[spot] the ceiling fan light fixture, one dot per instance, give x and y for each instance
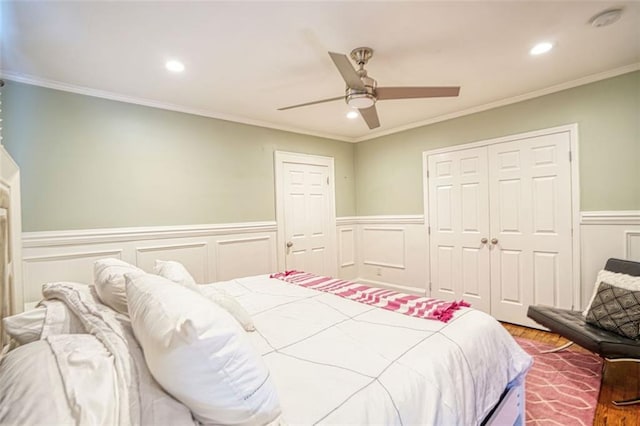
(360, 100)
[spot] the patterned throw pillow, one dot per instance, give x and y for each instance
(616, 309)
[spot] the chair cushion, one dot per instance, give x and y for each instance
(616, 309)
(573, 326)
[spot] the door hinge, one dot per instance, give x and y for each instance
(570, 156)
(429, 230)
(427, 173)
(429, 287)
(327, 180)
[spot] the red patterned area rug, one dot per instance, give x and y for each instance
(562, 388)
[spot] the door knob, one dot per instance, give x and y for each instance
(289, 244)
(494, 241)
(484, 241)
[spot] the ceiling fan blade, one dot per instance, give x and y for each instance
(370, 115)
(347, 71)
(311, 103)
(416, 92)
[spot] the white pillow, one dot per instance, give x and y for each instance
(231, 305)
(25, 327)
(199, 354)
(176, 272)
(63, 380)
(31, 387)
(108, 276)
(615, 279)
(51, 317)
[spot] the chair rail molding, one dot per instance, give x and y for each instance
(606, 234)
(106, 235)
(211, 252)
(613, 217)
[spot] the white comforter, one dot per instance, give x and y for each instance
(104, 375)
(335, 361)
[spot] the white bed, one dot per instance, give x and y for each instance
(332, 361)
(337, 361)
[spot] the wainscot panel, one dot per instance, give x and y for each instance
(606, 234)
(390, 251)
(210, 252)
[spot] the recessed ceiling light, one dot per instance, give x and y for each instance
(174, 66)
(352, 114)
(541, 48)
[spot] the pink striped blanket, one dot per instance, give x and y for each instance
(407, 304)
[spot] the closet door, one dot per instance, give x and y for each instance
(530, 213)
(459, 221)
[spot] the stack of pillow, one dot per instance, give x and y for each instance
(615, 304)
(194, 345)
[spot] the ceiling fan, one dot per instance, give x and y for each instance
(362, 91)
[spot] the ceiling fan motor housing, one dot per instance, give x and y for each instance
(356, 98)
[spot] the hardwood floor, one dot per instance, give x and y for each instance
(621, 380)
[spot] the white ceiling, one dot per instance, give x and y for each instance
(246, 59)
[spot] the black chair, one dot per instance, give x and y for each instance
(571, 325)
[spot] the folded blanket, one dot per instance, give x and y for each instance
(141, 401)
(407, 304)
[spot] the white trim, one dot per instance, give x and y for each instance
(574, 166)
(109, 235)
(74, 255)
(242, 240)
(572, 129)
(282, 157)
(405, 219)
(619, 217)
(170, 247)
(347, 220)
(507, 101)
(113, 96)
(52, 84)
(628, 237)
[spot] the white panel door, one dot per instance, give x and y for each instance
(530, 211)
(459, 223)
(306, 219)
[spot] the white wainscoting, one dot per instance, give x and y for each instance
(392, 251)
(210, 252)
(387, 251)
(606, 234)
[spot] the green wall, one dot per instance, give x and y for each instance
(87, 162)
(389, 169)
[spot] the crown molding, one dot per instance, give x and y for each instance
(52, 84)
(87, 91)
(507, 101)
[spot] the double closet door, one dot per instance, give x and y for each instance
(500, 225)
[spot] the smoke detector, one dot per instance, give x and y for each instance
(605, 18)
